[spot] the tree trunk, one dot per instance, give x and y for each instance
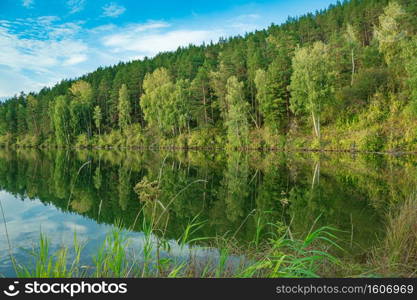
(204, 103)
(353, 67)
(316, 125)
(316, 175)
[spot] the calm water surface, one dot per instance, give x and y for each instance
(88, 192)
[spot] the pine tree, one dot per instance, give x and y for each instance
(124, 108)
(201, 95)
(268, 106)
(32, 115)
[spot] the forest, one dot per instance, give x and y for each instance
(344, 78)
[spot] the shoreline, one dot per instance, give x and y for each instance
(249, 149)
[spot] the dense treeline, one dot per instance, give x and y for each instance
(341, 78)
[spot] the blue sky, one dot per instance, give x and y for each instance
(45, 41)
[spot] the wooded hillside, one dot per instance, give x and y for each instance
(341, 78)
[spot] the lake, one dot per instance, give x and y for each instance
(90, 191)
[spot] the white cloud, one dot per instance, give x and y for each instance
(21, 53)
(139, 40)
(66, 30)
(47, 20)
(151, 43)
(28, 3)
(103, 28)
(113, 10)
(33, 60)
(15, 82)
(75, 59)
(74, 227)
(148, 26)
(248, 17)
(75, 5)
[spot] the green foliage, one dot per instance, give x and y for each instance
(156, 89)
(27, 141)
(235, 185)
(237, 115)
(82, 91)
(165, 104)
(389, 32)
(32, 115)
(6, 140)
(365, 84)
(61, 121)
(202, 100)
(373, 142)
(97, 117)
(398, 251)
(312, 82)
(410, 58)
(208, 137)
(80, 107)
(134, 136)
(113, 139)
(147, 191)
(218, 80)
(52, 265)
(82, 141)
(123, 108)
(269, 107)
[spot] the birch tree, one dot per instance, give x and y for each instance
(312, 82)
(97, 116)
(237, 116)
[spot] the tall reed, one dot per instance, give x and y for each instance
(281, 256)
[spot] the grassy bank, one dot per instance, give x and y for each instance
(280, 256)
(397, 254)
